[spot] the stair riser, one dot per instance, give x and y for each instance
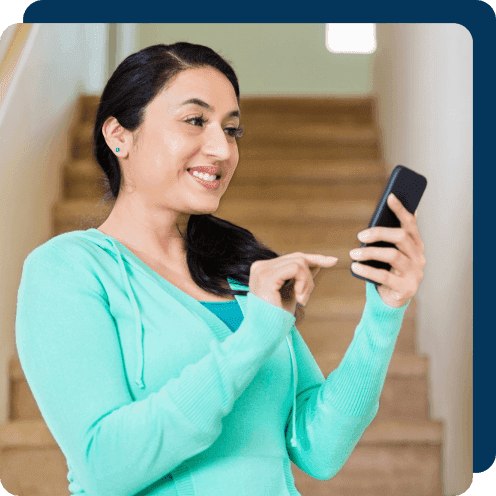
(330, 151)
(34, 472)
(326, 238)
(23, 405)
(404, 398)
(335, 335)
(410, 470)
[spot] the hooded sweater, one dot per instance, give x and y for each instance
(148, 391)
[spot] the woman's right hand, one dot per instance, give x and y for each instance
(267, 278)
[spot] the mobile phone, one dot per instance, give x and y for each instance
(408, 187)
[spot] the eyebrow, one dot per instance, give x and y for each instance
(201, 103)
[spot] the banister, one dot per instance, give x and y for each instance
(12, 55)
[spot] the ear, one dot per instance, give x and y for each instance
(117, 137)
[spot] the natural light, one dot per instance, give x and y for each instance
(351, 38)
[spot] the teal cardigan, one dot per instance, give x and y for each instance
(148, 392)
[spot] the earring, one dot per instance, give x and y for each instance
(117, 149)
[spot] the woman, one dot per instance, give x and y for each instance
(158, 347)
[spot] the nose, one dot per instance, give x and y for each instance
(216, 143)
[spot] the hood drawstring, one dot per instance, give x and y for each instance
(139, 341)
(289, 340)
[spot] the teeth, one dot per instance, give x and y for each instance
(203, 176)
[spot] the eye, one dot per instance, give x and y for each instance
(234, 132)
(196, 121)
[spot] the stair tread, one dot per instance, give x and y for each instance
(401, 365)
(35, 433)
(403, 431)
(26, 434)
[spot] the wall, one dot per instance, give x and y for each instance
(58, 63)
(423, 81)
(272, 59)
(5, 40)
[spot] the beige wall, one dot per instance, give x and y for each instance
(423, 80)
(272, 59)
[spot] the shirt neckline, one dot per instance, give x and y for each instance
(147, 269)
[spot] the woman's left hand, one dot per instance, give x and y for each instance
(407, 262)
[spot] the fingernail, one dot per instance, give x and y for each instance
(364, 235)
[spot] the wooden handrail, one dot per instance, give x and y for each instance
(12, 55)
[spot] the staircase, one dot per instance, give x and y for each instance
(309, 175)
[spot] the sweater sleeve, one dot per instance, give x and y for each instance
(69, 349)
(332, 414)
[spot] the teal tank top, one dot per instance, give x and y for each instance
(227, 311)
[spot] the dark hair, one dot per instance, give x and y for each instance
(216, 249)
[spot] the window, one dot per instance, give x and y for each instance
(351, 38)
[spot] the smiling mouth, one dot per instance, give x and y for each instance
(217, 176)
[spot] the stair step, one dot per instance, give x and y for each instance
(302, 190)
(280, 212)
(26, 434)
(34, 472)
(335, 335)
(332, 237)
(297, 133)
(401, 365)
(341, 307)
(360, 110)
(329, 150)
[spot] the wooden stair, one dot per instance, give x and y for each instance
(313, 167)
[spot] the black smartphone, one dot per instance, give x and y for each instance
(408, 187)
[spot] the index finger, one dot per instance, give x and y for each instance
(318, 260)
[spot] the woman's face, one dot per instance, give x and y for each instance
(190, 124)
